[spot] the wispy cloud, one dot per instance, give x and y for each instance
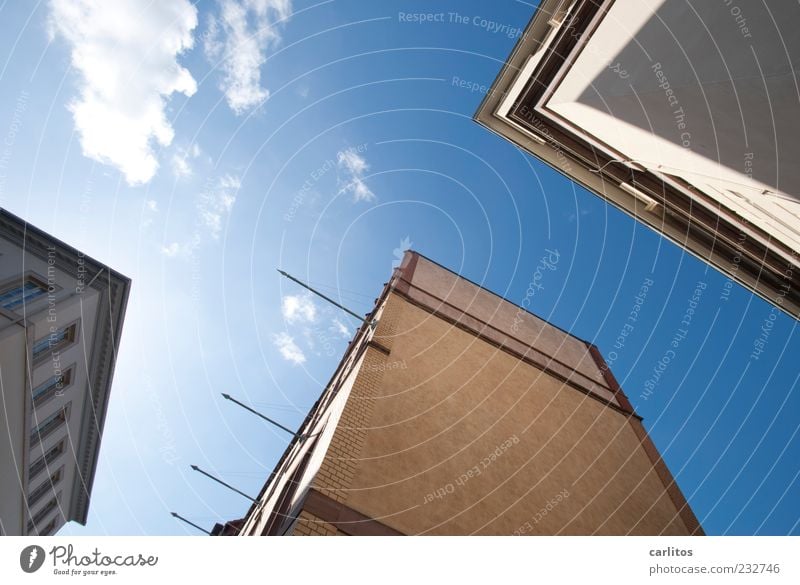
(240, 37)
(353, 165)
(171, 250)
(340, 328)
(288, 348)
(149, 212)
(212, 207)
(298, 309)
(126, 54)
(216, 201)
(181, 160)
(184, 250)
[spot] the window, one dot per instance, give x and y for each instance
(55, 341)
(50, 424)
(46, 487)
(17, 295)
(42, 514)
(48, 530)
(46, 460)
(52, 387)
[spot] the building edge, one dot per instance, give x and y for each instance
(338, 516)
(114, 293)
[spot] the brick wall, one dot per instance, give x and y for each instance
(341, 461)
(310, 525)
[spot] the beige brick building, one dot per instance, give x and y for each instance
(461, 413)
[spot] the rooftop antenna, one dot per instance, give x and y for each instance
(330, 300)
(190, 523)
(266, 418)
(230, 487)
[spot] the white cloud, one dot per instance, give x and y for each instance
(212, 207)
(180, 249)
(354, 166)
(238, 40)
(181, 159)
(341, 328)
(148, 213)
(298, 308)
(288, 348)
(180, 166)
(215, 203)
(126, 54)
(171, 250)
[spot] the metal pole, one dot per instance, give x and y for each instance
(330, 300)
(266, 418)
(230, 487)
(190, 523)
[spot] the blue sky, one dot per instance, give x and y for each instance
(338, 135)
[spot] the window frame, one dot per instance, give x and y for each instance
(48, 530)
(72, 336)
(47, 486)
(43, 461)
(62, 415)
(52, 391)
(26, 277)
(33, 519)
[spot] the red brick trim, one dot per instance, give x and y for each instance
(405, 272)
(611, 380)
(676, 495)
(344, 518)
(408, 271)
(674, 492)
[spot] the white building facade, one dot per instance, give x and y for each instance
(684, 115)
(61, 316)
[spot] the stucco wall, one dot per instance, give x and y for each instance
(17, 416)
(708, 93)
(12, 428)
